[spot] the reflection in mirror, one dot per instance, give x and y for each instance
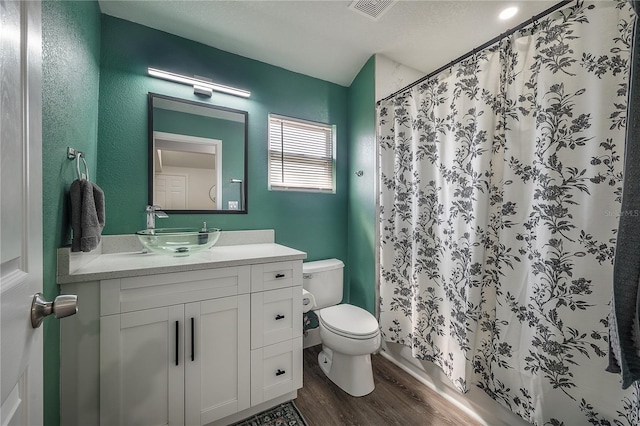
(197, 156)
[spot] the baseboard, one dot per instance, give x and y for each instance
(475, 403)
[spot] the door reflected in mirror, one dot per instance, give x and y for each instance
(197, 156)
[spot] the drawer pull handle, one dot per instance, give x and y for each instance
(177, 343)
(279, 317)
(193, 339)
(280, 372)
(279, 275)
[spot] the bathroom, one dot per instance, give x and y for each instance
(95, 86)
(111, 54)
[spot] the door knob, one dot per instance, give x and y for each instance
(63, 306)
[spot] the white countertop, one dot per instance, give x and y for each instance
(134, 263)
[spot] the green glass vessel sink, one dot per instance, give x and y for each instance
(178, 241)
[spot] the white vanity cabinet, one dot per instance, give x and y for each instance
(207, 339)
(167, 363)
(184, 363)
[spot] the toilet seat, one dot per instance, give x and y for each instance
(349, 321)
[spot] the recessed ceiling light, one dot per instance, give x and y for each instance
(509, 12)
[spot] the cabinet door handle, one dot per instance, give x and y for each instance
(193, 339)
(280, 372)
(177, 342)
(279, 317)
(279, 275)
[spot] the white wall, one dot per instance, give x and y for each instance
(392, 76)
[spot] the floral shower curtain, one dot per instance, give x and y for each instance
(500, 190)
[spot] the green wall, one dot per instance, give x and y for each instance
(362, 198)
(70, 74)
(312, 222)
(95, 66)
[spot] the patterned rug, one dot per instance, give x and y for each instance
(286, 414)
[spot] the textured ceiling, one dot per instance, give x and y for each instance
(325, 39)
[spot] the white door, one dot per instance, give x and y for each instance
(176, 192)
(171, 191)
(20, 210)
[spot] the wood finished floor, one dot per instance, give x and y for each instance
(398, 399)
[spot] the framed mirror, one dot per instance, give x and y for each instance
(197, 156)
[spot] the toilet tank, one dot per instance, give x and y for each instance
(323, 279)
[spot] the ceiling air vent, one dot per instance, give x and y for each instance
(372, 9)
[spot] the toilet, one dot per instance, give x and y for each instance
(349, 334)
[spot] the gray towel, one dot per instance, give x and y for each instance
(624, 330)
(87, 215)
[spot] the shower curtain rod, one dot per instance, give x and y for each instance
(479, 48)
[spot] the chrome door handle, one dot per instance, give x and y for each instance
(63, 306)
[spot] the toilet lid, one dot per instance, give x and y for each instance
(349, 319)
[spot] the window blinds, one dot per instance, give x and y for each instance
(300, 155)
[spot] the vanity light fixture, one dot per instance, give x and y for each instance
(200, 86)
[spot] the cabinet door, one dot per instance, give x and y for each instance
(141, 367)
(218, 358)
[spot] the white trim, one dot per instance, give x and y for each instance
(475, 403)
(185, 138)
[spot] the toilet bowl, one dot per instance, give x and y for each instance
(349, 329)
(349, 334)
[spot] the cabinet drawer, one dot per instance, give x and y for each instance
(276, 370)
(271, 276)
(153, 291)
(276, 316)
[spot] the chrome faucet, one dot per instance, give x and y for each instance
(152, 212)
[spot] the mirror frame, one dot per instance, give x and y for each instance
(150, 158)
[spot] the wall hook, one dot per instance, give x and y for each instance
(359, 173)
(72, 153)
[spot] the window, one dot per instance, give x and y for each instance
(301, 155)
